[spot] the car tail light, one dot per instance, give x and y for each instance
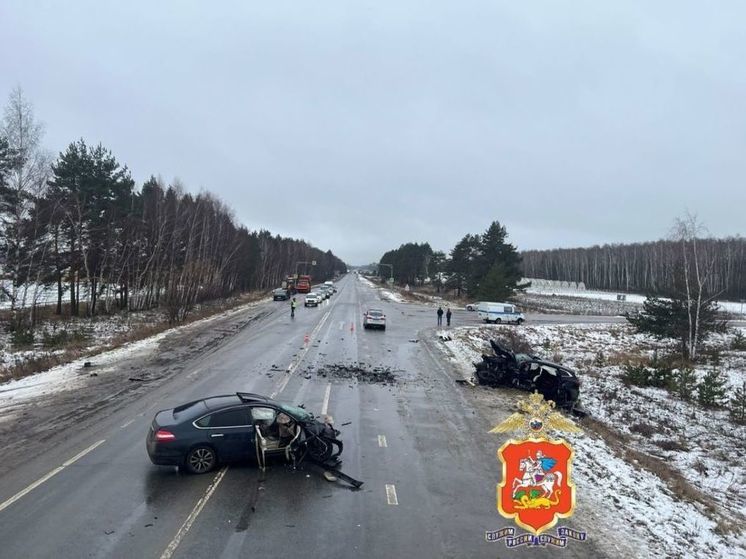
(164, 436)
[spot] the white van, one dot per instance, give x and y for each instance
(499, 312)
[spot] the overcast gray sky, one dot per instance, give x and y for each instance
(363, 125)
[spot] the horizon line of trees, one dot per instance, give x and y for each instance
(80, 226)
(480, 265)
(649, 267)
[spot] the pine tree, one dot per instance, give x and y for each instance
(712, 389)
(685, 383)
(667, 318)
(738, 404)
(496, 268)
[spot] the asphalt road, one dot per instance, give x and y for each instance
(421, 446)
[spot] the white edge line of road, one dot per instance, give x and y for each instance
(169, 551)
(50, 475)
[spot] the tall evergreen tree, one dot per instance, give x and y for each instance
(496, 269)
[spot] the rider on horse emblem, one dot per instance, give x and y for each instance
(536, 488)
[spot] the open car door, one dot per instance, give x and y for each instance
(261, 447)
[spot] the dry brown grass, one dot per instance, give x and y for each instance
(674, 480)
(617, 358)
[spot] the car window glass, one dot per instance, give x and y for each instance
(235, 417)
(204, 422)
(262, 414)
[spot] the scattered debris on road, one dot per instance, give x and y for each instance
(360, 372)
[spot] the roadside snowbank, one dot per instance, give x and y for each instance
(701, 446)
(15, 393)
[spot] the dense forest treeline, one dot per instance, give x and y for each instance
(480, 265)
(79, 227)
(649, 268)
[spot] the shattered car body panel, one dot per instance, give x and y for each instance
(531, 373)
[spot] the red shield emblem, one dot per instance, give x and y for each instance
(536, 488)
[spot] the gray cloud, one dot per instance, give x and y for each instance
(359, 127)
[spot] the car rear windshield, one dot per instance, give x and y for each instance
(375, 314)
(189, 410)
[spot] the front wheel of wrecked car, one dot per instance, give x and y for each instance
(200, 460)
(320, 449)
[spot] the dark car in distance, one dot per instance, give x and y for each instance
(199, 435)
(279, 294)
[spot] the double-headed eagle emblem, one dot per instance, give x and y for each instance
(536, 416)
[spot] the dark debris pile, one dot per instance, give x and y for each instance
(360, 372)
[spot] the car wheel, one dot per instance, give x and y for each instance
(320, 450)
(200, 460)
(498, 321)
(519, 321)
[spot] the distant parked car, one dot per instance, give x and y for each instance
(312, 300)
(279, 294)
(374, 318)
(472, 306)
(327, 290)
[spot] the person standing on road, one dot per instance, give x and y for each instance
(448, 316)
(440, 316)
(293, 304)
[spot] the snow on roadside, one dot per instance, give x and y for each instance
(384, 293)
(701, 445)
(14, 393)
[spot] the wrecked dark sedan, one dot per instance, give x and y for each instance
(531, 373)
(199, 435)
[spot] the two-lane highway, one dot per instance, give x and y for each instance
(421, 447)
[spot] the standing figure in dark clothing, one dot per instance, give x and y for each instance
(440, 316)
(448, 316)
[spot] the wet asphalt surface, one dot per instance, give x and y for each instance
(438, 456)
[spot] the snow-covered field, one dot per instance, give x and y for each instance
(669, 470)
(732, 307)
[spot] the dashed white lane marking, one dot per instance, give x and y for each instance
(382, 441)
(391, 498)
(294, 365)
(327, 393)
(194, 373)
(341, 324)
(169, 552)
(48, 476)
(130, 422)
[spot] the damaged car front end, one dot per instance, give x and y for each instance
(199, 435)
(530, 373)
